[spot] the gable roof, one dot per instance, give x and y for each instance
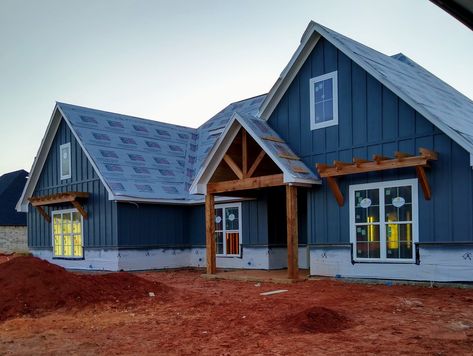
(438, 102)
(11, 186)
(274, 146)
(138, 159)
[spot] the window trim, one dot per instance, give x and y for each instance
(334, 76)
(61, 147)
(230, 205)
(60, 212)
(382, 224)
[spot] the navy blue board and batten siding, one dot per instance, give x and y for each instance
(372, 120)
(127, 225)
(183, 226)
(100, 229)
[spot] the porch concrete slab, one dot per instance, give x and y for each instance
(264, 276)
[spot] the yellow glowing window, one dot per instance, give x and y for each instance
(67, 234)
(384, 220)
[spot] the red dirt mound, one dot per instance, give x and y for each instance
(30, 286)
(317, 319)
(4, 257)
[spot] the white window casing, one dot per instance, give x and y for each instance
(312, 90)
(383, 224)
(65, 161)
(224, 231)
(72, 234)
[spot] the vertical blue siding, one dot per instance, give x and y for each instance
(255, 221)
(196, 225)
(171, 226)
(372, 120)
(100, 228)
(152, 225)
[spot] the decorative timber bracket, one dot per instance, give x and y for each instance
(379, 163)
(59, 198)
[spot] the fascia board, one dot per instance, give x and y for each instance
(39, 160)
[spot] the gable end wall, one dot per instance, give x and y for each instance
(372, 120)
(100, 228)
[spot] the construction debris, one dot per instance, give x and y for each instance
(274, 292)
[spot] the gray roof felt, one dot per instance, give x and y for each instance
(438, 101)
(144, 159)
(275, 146)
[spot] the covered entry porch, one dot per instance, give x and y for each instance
(250, 158)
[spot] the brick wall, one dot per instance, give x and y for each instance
(13, 239)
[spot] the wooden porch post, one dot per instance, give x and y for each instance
(210, 233)
(292, 232)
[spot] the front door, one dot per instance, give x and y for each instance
(228, 229)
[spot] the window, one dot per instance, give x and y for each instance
(228, 229)
(67, 234)
(384, 221)
(323, 101)
(65, 160)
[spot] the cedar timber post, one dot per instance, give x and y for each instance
(244, 153)
(210, 233)
(292, 232)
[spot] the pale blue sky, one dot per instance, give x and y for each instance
(183, 61)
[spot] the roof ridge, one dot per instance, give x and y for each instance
(229, 106)
(127, 116)
(12, 176)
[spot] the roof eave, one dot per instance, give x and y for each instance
(310, 38)
(199, 186)
(39, 160)
(87, 154)
(308, 41)
(209, 165)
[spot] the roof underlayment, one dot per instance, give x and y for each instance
(294, 170)
(144, 160)
(445, 107)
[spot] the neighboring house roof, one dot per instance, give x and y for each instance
(274, 146)
(138, 159)
(11, 186)
(445, 107)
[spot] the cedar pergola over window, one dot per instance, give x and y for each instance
(59, 198)
(379, 163)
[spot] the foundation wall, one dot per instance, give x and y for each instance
(13, 239)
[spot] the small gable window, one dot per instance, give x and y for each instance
(323, 101)
(65, 160)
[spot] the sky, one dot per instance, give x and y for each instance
(183, 61)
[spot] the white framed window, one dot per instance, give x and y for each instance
(228, 229)
(384, 221)
(67, 231)
(324, 101)
(65, 160)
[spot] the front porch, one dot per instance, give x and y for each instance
(250, 158)
(259, 276)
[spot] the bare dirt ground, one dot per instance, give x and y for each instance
(198, 316)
